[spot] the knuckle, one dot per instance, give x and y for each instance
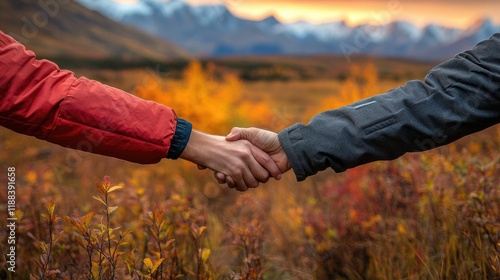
(246, 144)
(263, 178)
(246, 155)
(265, 158)
(237, 168)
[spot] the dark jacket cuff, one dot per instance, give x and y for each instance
(293, 157)
(180, 140)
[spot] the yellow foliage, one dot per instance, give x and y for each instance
(372, 221)
(401, 229)
(198, 97)
(362, 83)
(309, 230)
(31, 177)
(369, 76)
(295, 216)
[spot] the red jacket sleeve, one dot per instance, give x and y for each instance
(39, 99)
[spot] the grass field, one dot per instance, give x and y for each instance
(432, 215)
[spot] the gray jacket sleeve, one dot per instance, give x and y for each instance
(457, 98)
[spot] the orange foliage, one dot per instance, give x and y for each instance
(255, 114)
(212, 104)
(360, 84)
(199, 97)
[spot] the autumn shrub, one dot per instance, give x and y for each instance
(425, 216)
(361, 82)
(432, 215)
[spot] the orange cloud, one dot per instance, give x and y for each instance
(453, 13)
(458, 13)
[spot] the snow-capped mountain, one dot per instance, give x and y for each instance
(324, 32)
(214, 30)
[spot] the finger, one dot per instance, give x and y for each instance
(266, 162)
(238, 176)
(241, 184)
(201, 167)
(250, 180)
(255, 173)
(243, 174)
(221, 178)
(230, 182)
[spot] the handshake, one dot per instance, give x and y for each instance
(458, 97)
(242, 160)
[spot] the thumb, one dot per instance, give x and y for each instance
(235, 134)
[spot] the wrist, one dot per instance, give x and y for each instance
(195, 150)
(283, 162)
(192, 146)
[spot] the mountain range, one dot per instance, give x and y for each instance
(67, 30)
(212, 30)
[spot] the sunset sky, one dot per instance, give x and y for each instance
(457, 13)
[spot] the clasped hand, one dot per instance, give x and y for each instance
(242, 160)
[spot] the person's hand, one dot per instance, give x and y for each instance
(243, 162)
(265, 140)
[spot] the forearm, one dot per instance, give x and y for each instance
(457, 98)
(39, 99)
